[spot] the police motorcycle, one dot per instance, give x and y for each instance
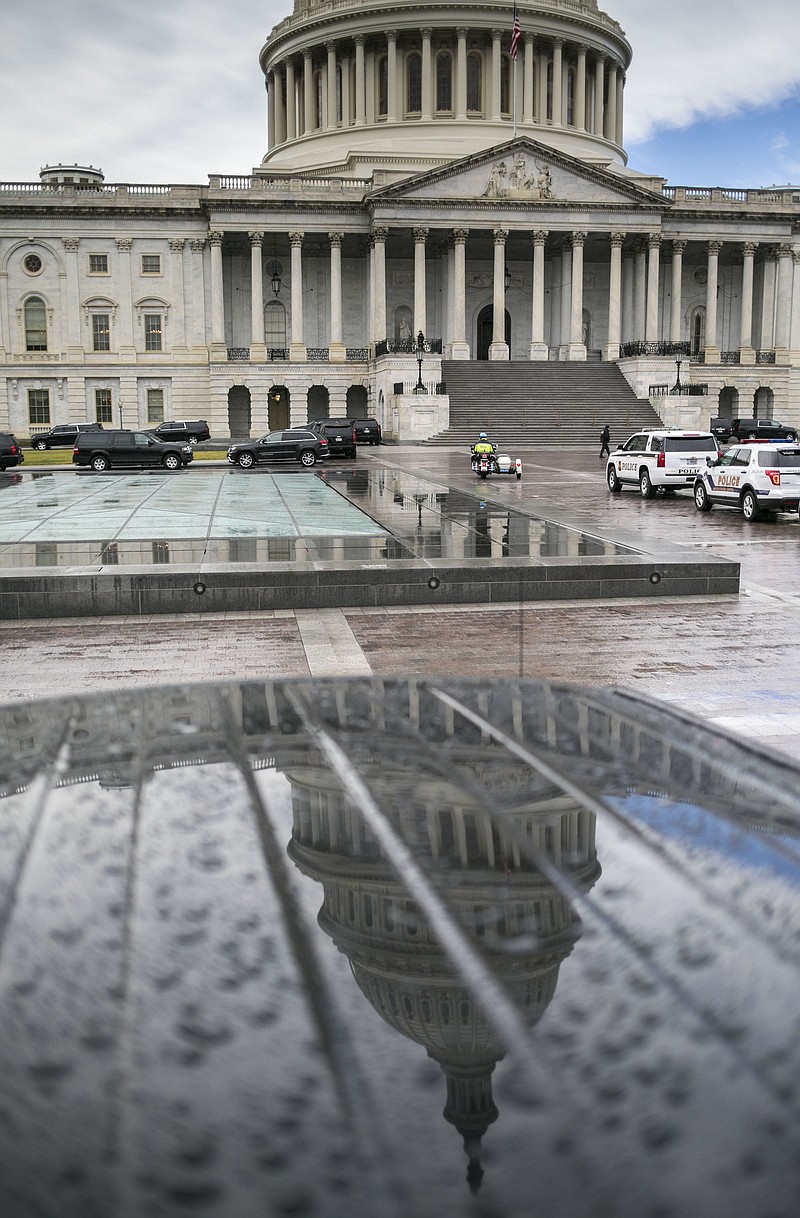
(485, 463)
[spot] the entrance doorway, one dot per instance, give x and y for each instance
(278, 408)
(486, 330)
(357, 404)
(318, 403)
(239, 412)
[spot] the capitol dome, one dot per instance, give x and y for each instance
(348, 95)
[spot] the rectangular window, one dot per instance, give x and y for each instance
(39, 406)
(160, 551)
(103, 407)
(98, 264)
(152, 332)
(151, 264)
(46, 553)
(101, 332)
(155, 405)
(109, 553)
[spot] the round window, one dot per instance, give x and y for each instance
(33, 264)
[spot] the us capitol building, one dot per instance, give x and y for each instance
(425, 197)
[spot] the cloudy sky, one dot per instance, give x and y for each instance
(171, 91)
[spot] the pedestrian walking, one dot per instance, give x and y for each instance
(605, 442)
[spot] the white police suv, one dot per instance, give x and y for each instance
(754, 478)
(660, 460)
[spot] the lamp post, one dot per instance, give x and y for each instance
(419, 387)
(677, 386)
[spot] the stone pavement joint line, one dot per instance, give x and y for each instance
(330, 645)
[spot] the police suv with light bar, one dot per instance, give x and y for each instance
(754, 478)
(660, 460)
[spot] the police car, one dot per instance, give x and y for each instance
(754, 478)
(664, 460)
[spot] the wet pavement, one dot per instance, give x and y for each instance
(731, 660)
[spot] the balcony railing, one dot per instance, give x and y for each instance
(765, 357)
(238, 353)
(407, 346)
(410, 387)
(686, 391)
(632, 350)
(357, 353)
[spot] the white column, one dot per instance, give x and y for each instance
(620, 99)
(308, 93)
(218, 348)
(783, 309)
(498, 348)
(599, 70)
(269, 82)
(291, 101)
(258, 352)
(277, 96)
(640, 292)
(420, 292)
(541, 90)
(538, 348)
(747, 354)
(564, 302)
(611, 111)
(391, 64)
(336, 348)
(577, 347)
(461, 72)
(297, 349)
(460, 349)
(330, 47)
(767, 337)
(651, 319)
(74, 346)
(711, 348)
(347, 101)
(676, 310)
(615, 297)
(379, 236)
(127, 350)
(794, 341)
(361, 88)
(558, 44)
(197, 296)
(494, 96)
(528, 100)
(178, 343)
(427, 73)
(628, 297)
(579, 101)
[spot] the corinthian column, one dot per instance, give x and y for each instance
(218, 348)
(538, 350)
(461, 72)
(336, 349)
(558, 44)
(599, 72)
(379, 236)
(676, 311)
(577, 347)
(498, 348)
(747, 354)
(127, 350)
(460, 347)
(391, 75)
(653, 266)
(579, 107)
(711, 348)
(297, 350)
(783, 311)
(794, 340)
(258, 352)
(361, 83)
(176, 247)
(427, 75)
(615, 297)
(420, 237)
(291, 101)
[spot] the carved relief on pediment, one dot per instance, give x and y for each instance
(532, 182)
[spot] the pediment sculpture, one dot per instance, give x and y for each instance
(519, 182)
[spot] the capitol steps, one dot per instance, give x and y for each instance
(525, 403)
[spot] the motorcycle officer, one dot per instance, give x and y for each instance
(484, 446)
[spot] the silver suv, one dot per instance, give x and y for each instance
(753, 478)
(664, 459)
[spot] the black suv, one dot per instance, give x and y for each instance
(63, 435)
(125, 449)
(10, 450)
(340, 434)
(294, 444)
(761, 429)
(368, 431)
(192, 431)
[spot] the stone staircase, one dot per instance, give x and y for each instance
(523, 403)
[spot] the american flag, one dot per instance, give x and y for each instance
(516, 34)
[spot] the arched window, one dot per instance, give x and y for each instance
(318, 103)
(275, 325)
(414, 83)
(35, 324)
(444, 82)
(505, 85)
(339, 90)
(698, 330)
(569, 118)
(383, 86)
(550, 90)
(474, 82)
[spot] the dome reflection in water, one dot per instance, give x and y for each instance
(179, 1034)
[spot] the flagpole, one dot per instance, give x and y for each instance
(515, 96)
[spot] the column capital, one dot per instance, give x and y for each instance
(654, 240)
(539, 236)
(796, 255)
(330, 47)
(785, 249)
(336, 239)
(296, 238)
(749, 248)
(460, 235)
(500, 235)
(582, 48)
(176, 244)
(496, 33)
(215, 237)
(617, 239)
(679, 246)
(420, 235)
(578, 238)
(359, 40)
(462, 31)
(379, 234)
(71, 243)
(125, 244)
(529, 37)
(256, 238)
(427, 31)
(558, 42)
(714, 248)
(391, 35)
(196, 245)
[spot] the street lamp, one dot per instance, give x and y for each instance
(677, 386)
(507, 279)
(419, 387)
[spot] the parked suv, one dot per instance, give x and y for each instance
(63, 435)
(294, 444)
(368, 431)
(753, 478)
(192, 431)
(10, 450)
(340, 434)
(121, 449)
(660, 460)
(761, 429)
